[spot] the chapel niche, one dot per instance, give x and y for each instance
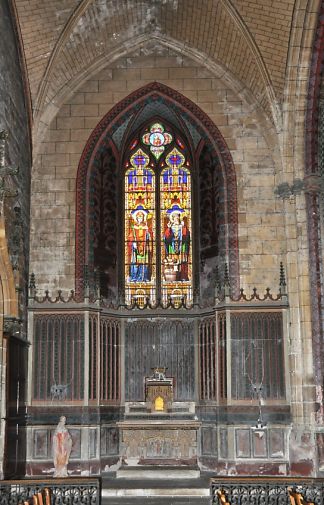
(211, 221)
(107, 198)
(102, 227)
(104, 207)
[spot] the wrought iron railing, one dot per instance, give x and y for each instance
(266, 491)
(63, 491)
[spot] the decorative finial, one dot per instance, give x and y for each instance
(32, 281)
(217, 282)
(282, 279)
(97, 277)
(227, 283)
(32, 286)
(86, 281)
(226, 276)
(196, 296)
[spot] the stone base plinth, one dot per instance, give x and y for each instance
(164, 442)
(158, 472)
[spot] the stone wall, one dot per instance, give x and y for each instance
(14, 119)
(271, 228)
(14, 230)
(247, 134)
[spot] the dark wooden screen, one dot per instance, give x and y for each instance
(15, 443)
(222, 349)
(257, 354)
(93, 358)
(58, 357)
(212, 358)
(159, 343)
(110, 360)
(208, 359)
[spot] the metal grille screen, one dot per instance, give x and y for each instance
(159, 343)
(58, 357)
(257, 355)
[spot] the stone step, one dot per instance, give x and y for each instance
(158, 472)
(157, 501)
(155, 491)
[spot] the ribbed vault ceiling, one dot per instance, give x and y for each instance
(64, 39)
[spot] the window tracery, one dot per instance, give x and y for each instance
(175, 189)
(140, 250)
(158, 251)
(157, 139)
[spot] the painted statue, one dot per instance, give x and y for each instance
(139, 246)
(62, 445)
(177, 243)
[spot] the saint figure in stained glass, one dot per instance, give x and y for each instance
(158, 251)
(175, 184)
(139, 246)
(177, 245)
(139, 229)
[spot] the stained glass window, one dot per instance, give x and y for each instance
(175, 221)
(157, 139)
(158, 252)
(140, 250)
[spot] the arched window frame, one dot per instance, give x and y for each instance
(102, 136)
(182, 143)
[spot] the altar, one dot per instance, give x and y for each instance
(159, 431)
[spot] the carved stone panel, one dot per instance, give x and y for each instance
(276, 443)
(209, 441)
(243, 445)
(156, 444)
(259, 444)
(109, 441)
(40, 443)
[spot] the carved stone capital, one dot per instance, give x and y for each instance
(313, 183)
(11, 326)
(310, 184)
(286, 190)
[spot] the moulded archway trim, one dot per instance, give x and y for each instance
(44, 112)
(313, 196)
(101, 137)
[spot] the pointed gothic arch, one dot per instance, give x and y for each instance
(102, 139)
(313, 180)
